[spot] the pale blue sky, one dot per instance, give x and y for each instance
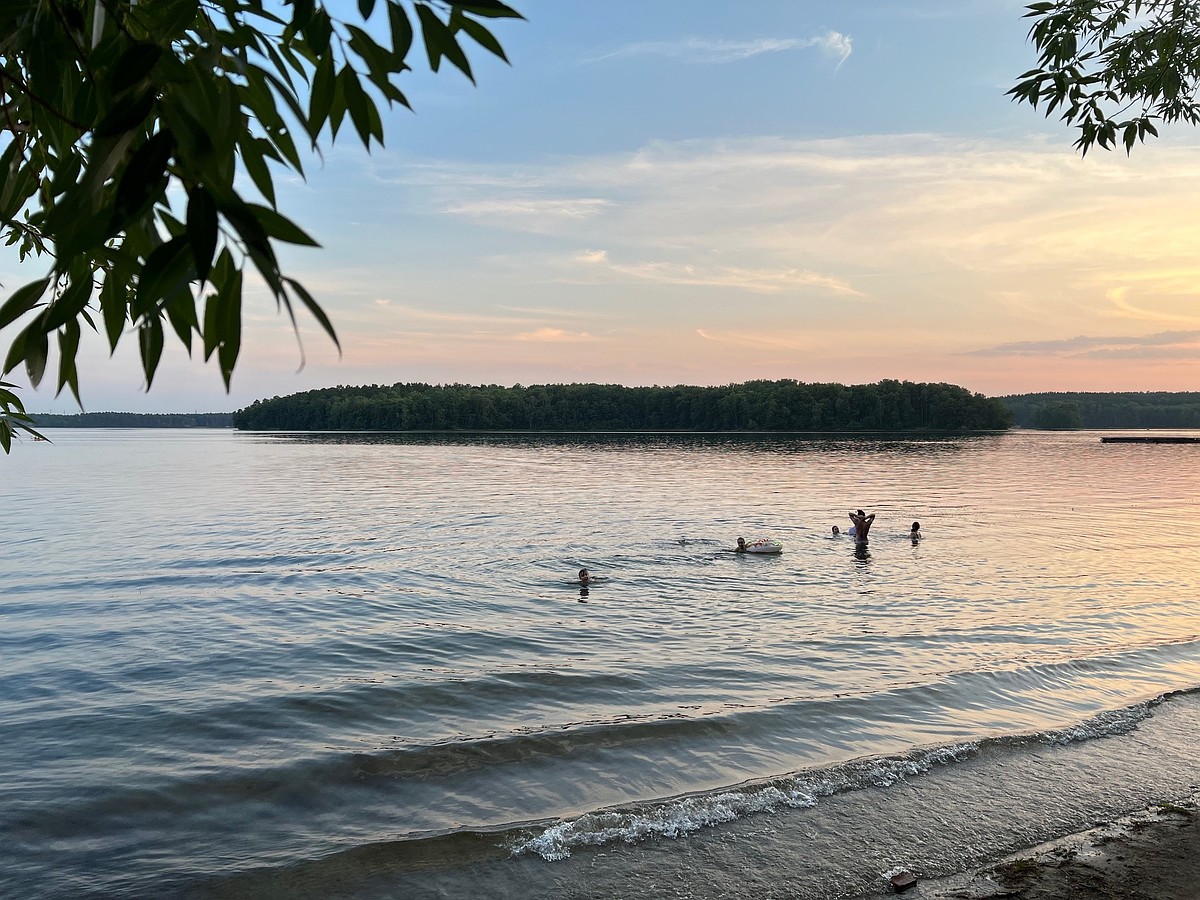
(662, 192)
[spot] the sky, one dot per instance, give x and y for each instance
(659, 192)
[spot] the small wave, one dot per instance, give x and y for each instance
(681, 816)
(671, 820)
(1106, 724)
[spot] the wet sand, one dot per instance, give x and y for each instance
(1153, 854)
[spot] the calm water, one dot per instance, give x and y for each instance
(242, 665)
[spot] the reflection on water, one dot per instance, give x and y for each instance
(770, 442)
(231, 652)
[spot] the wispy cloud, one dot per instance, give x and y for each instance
(955, 243)
(709, 51)
(554, 336)
(755, 281)
(556, 312)
(537, 215)
(450, 317)
(532, 209)
(1122, 308)
(1163, 345)
(752, 340)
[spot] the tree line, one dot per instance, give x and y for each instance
(1149, 409)
(785, 405)
(134, 420)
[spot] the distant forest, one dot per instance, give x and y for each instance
(1096, 410)
(133, 420)
(753, 406)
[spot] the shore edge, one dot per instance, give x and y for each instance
(1151, 854)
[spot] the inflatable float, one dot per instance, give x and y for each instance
(764, 545)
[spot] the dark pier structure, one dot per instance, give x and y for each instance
(1151, 439)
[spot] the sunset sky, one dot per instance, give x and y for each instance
(704, 193)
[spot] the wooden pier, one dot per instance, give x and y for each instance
(1151, 439)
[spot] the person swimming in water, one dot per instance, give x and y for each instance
(741, 547)
(585, 577)
(862, 525)
(915, 532)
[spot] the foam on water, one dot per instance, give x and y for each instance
(682, 816)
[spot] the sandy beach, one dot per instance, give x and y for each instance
(1153, 854)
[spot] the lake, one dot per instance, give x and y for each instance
(360, 665)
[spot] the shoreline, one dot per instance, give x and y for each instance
(1150, 854)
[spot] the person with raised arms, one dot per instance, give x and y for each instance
(862, 525)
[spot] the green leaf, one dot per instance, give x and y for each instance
(16, 351)
(358, 103)
(150, 344)
(258, 245)
(321, 99)
(302, 13)
(440, 41)
(37, 349)
(167, 270)
(482, 36)
(22, 301)
(280, 227)
(71, 302)
(181, 313)
(319, 31)
(68, 347)
(113, 304)
(125, 116)
(253, 153)
(315, 308)
(402, 32)
(202, 229)
(337, 109)
(216, 321)
(227, 317)
(134, 65)
(142, 182)
(262, 101)
(246, 224)
(376, 58)
(489, 9)
(20, 182)
(390, 91)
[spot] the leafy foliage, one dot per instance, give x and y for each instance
(1058, 416)
(133, 420)
(1114, 67)
(13, 418)
(1129, 409)
(130, 131)
(754, 406)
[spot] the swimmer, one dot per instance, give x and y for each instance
(741, 547)
(585, 577)
(862, 525)
(915, 532)
(836, 531)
